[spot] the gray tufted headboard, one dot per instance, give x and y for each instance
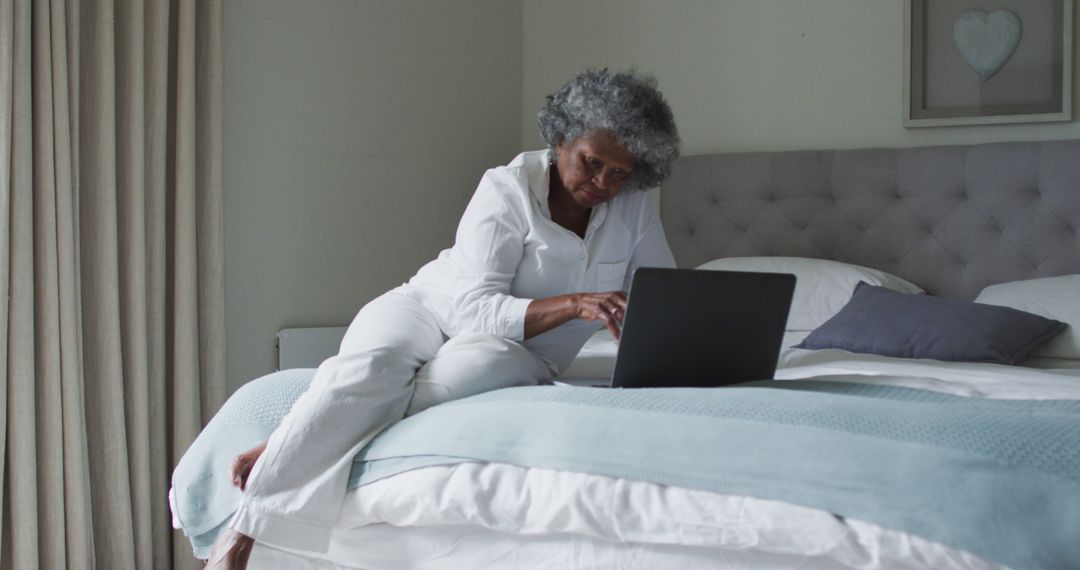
(952, 219)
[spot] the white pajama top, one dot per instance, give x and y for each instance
(508, 251)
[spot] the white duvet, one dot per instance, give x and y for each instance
(502, 516)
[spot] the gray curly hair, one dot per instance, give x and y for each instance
(627, 105)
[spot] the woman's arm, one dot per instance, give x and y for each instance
(487, 249)
(545, 314)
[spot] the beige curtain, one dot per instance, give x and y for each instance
(112, 333)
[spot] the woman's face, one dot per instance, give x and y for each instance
(593, 167)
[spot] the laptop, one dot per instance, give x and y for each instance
(700, 328)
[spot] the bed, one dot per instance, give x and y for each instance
(894, 446)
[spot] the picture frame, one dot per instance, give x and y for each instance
(979, 62)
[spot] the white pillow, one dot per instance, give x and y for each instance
(822, 288)
(1051, 297)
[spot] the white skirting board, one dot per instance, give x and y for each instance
(307, 347)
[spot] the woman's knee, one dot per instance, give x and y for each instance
(476, 354)
(471, 364)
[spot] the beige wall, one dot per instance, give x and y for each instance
(750, 74)
(355, 132)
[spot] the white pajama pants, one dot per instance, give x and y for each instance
(394, 361)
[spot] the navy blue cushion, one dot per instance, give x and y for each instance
(880, 321)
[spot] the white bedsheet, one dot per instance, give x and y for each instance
(456, 548)
(973, 379)
(502, 516)
(611, 519)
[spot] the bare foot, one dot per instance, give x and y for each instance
(230, 552)
(242, 464)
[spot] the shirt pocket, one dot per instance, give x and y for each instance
(610, 275)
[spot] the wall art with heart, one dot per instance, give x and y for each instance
(987, 41)
(980, 62)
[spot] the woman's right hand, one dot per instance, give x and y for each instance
(608, 307)
(242, 464)
(545, 314)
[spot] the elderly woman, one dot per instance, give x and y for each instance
(542, 255)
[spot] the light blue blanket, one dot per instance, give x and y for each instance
(998, 478)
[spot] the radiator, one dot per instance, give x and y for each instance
(307, 347)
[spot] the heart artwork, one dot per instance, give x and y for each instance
(987, 41)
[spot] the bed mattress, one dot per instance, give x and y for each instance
(499, 515)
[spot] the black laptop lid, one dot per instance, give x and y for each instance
(699, 328)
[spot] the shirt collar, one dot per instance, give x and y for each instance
(540, 178)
